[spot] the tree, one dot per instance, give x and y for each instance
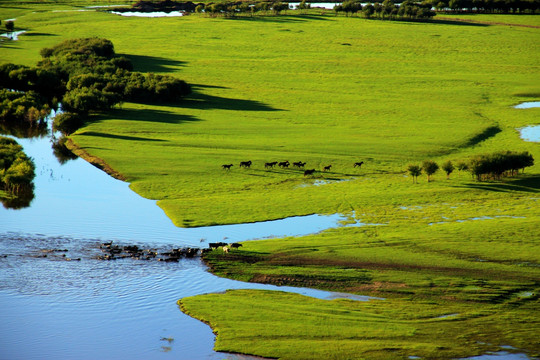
(414, 171)
(448, 168)
(67, 122)
(10, 25)
(430, 167)
(368, 10)
(462, 166)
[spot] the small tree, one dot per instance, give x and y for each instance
(10, 25)
(415, 172)
(448, 168)
(430, 167)
(462, 166)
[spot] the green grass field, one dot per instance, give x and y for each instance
(335, 90)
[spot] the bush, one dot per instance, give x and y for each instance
(67, 122)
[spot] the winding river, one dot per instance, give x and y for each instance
(89, 309)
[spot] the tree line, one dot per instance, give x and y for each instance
(482, 167)
(387, 10)
(85, 76)
(488, 6)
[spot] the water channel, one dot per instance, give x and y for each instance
(54, 308)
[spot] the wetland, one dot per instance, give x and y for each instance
(252, 81)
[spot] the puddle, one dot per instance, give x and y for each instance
(528, 105)
(149, 14)
(526, 295)
(323, 182)
(499, 355)
(447, 316)
(530, 133)
(13, 35)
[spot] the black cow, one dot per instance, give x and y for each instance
(359, 164)
(227, 167)
(299, 164)
(309, 172)
(327, 168)
(284, 164)
(245, 164)
(270, 164)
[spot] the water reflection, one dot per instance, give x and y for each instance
(61, 152)
(21, 200)
(23, 131)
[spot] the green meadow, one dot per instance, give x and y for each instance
(333, 90)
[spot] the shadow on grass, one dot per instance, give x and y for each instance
(148, 115)
(530, 184)
(37, 34)
(117, 137)
(198, 100)
(144, 63)
(437, 22)
(280, 18)
(456, 22)
(484, 135)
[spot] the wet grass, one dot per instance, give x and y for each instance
(248, 321)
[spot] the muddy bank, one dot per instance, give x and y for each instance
(97, 162)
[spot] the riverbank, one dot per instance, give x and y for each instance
(94, 160)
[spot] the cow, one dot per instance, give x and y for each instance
(245, 164)
(216, 245)
(284, 164)
(270, 164)
(359, 164)
(299, 164)
(227, 166)
(225, 249)
(234, 245)
(327, 168)
(309, 172)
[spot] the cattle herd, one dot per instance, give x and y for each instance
(284, 165)
(112, 251)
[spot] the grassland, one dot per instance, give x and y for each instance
(335, 90)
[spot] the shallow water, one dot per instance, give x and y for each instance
(14, 35)
(148, 14)
(528, 105)
(530, 133)
(53, 308)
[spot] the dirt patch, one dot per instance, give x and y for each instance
(377, 286)
(97, 162)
